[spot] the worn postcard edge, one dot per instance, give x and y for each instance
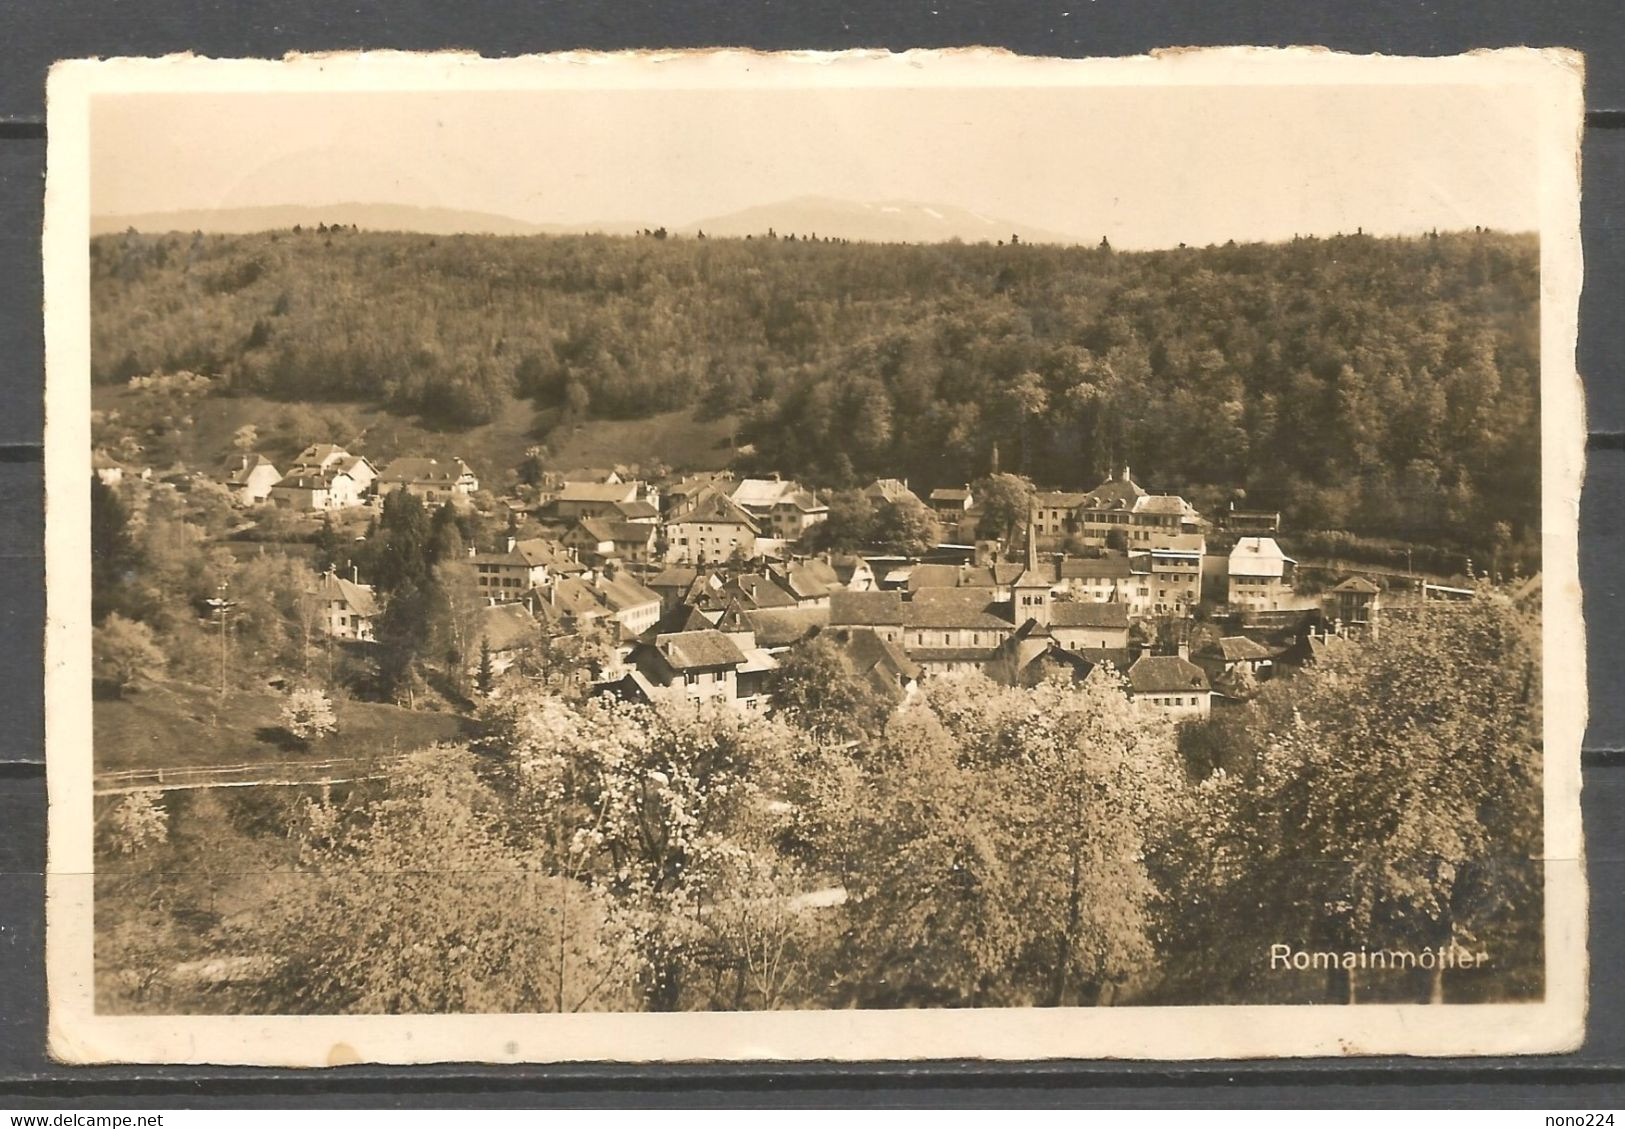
(77, 1034)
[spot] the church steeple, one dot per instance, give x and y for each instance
(1031, 591)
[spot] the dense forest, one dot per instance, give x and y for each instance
(1383, 386)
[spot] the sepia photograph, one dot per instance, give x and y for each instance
(714, 555)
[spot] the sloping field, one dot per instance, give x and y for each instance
(179, 724)
(675, 438)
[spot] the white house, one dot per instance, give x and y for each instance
(249, 478)
(1175, 572)
(328, 489)
(1170, 684)
(712, 530)
(1261, 575)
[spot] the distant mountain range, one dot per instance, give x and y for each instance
(891, 221)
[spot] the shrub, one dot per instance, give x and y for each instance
(139, 821)
(308, 715)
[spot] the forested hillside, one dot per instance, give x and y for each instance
(1379, 385)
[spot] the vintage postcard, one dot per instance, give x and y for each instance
(720, 556)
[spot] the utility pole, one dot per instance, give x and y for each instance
(222, 607)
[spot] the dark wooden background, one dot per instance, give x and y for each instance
(34, 33)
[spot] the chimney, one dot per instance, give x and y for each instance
(512, 541)
(1184, 649)
(355, 574)
(1127, 477)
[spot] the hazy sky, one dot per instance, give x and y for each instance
(1143, 166)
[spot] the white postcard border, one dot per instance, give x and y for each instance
(78, 1034)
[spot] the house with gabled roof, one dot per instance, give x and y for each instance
(1175, 572)
(632, 605)
(809, 582)
(640, 510)
(699, 666)
(883, 490)
(433, 480)
(1170, 684)
(1113, 578)
(345, 609)
(1088, 625)
(950, 502)
(1157, 519)
(792, 516)
(679, 496)
(571, 601)
(781, 508)
(577, 500)
(504, 630)
(1219, 657)
(758, 496)
(601, 539)
(758, 590)
(1143, 521)
(1260, 575)
(684, 617)
(318, 457)
(324, 476)
(1048, 660)
(713, 529)
(248, 478)
(508, 576)
(360, 470)
(327, 489)
(955, 510)
(777, 629)
(1355, 601)
(673, 583)
(591, 474)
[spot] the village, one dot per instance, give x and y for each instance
(696, 585)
